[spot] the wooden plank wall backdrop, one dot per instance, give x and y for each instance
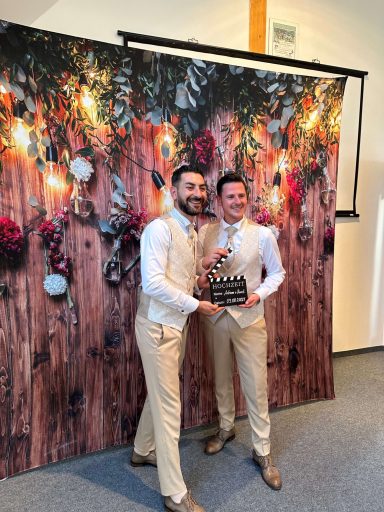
(70, 389)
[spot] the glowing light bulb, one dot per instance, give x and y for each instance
(87, 98)
(51, 177)
(3, 89)
(20, 132)
(167, 137)
(275, 195)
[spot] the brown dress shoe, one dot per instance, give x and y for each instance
(143, 460)
(187, 504)
(217, 442)
(269, 472)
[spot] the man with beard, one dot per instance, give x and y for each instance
(168, 270)
(241, 329)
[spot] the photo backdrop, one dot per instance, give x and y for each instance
(90, 134)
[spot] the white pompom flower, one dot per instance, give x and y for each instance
(81, 168)
(55, 284)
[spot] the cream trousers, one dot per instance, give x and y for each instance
(250, 347)
(162, 350)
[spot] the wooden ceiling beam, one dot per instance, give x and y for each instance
(257, 25)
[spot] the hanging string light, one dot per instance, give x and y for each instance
(19, 129)
(51, 173)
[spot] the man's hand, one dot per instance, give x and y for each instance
(209, 261)
(253, 299)
(203, 280)
(207, 308)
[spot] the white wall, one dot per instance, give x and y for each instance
(345, 33)
(350, 33)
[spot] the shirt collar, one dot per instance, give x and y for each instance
(238, 225)
(181, 219)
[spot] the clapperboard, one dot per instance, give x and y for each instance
(227, 291)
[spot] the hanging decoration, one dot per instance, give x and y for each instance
(57, 263)
(80, 201)
(125, 225)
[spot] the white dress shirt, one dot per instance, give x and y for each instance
(155, 241)
(268, 252)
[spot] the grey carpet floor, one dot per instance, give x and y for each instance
(330, 453)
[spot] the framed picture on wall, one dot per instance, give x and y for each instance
(283, 37)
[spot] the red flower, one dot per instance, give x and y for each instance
(11, 239)
(296, 185)
(134, 225)
(48, 229)
(204, 148)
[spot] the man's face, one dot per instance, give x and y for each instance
(233, 200)
(190, 193)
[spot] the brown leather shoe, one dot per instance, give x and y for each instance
(217, 442)
(143, 460)
(187, 504)
(269, 472)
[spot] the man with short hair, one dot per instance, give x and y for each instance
(241, 329)
(168, 270)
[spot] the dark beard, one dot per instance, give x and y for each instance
(189, 210)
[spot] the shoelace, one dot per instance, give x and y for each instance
(190, 501)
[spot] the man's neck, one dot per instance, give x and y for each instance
(191, 218)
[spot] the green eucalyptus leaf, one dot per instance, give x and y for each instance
(287, 100)
(20, 75)
(41, 209)
(69, 178)
(273, 126)
(181, 99)
(33, 136)
(119, 184)
(199, 63)
(193, 122)
(277, 139)
(119, 107)
(273, 87)
(32, 200)
(86, 151)
(46, 141)
(4, 82)
(17, 91)
(40, 164)
(105, 227)
(122, 119)
(297, 88)
(28, 118)
(120, 79)
(117, 197)
(66, 159)
(260, 73)
(32, 84)
(32, 150)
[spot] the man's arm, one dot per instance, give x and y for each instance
(272, 261)
(155, 242)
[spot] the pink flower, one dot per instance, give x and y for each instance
(263, 217)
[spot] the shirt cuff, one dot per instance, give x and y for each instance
(263, 294)
(191, 304)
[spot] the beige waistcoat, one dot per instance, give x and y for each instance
(246, 262)
(180, 273)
